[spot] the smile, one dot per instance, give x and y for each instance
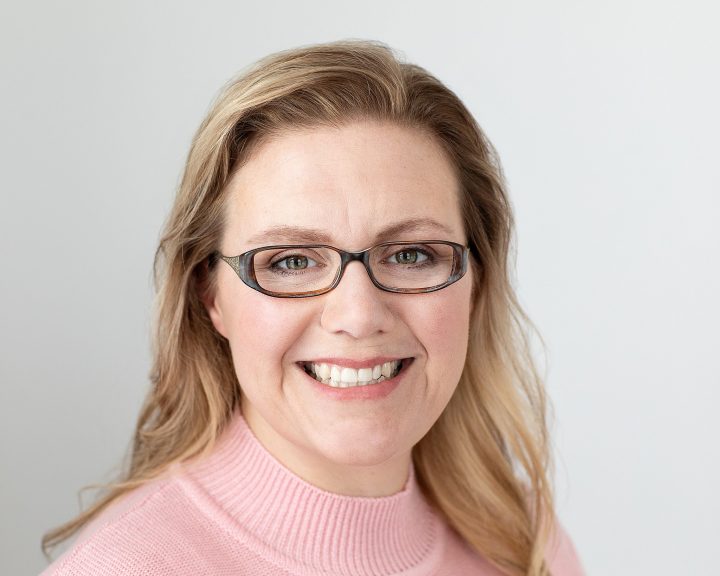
(344, 377)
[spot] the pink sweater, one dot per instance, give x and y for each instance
(240, 512)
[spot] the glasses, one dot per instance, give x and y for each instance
(304, 270)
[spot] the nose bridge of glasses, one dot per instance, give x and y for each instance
(347, 257)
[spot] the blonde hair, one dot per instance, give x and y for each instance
(485, 464)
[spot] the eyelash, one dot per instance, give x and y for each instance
(429, 254)
(429, 257)
(274, 266)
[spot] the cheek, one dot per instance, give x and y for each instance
(441, 324)
(261, 330)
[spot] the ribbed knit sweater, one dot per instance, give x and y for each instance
(239, 511)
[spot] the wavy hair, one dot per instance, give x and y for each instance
(485, 465)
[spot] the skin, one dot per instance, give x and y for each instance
(349, 183)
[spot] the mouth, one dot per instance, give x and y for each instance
(343, 377)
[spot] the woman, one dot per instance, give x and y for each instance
(341, 381)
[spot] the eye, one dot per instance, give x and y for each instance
(408, 256)
(295, 262)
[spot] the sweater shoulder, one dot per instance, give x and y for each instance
(460, 558)
(560, 555)
(150, 531)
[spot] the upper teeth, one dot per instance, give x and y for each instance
(343, 377)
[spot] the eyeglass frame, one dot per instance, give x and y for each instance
(242, 265)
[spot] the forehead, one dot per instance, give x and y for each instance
(348, 186)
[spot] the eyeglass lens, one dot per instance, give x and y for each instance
(305, 269)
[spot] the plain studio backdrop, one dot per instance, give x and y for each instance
(605, 115)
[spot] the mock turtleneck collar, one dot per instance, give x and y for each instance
(313, 528)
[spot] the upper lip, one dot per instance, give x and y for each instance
(354, 362)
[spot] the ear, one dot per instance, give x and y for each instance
(215, 313)
(207, 289)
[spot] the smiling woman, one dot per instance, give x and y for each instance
(347, 184)
(341, 381)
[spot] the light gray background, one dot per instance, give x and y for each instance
(606, 118)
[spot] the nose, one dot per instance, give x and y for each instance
(356, 306)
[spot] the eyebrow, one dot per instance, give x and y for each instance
(293, 234)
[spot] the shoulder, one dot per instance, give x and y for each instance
(149, 531)
(460, 558)
(561, 555)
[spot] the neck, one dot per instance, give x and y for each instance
(309, 529)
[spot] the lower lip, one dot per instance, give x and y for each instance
(367, 392)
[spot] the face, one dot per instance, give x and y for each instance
(346, 187)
